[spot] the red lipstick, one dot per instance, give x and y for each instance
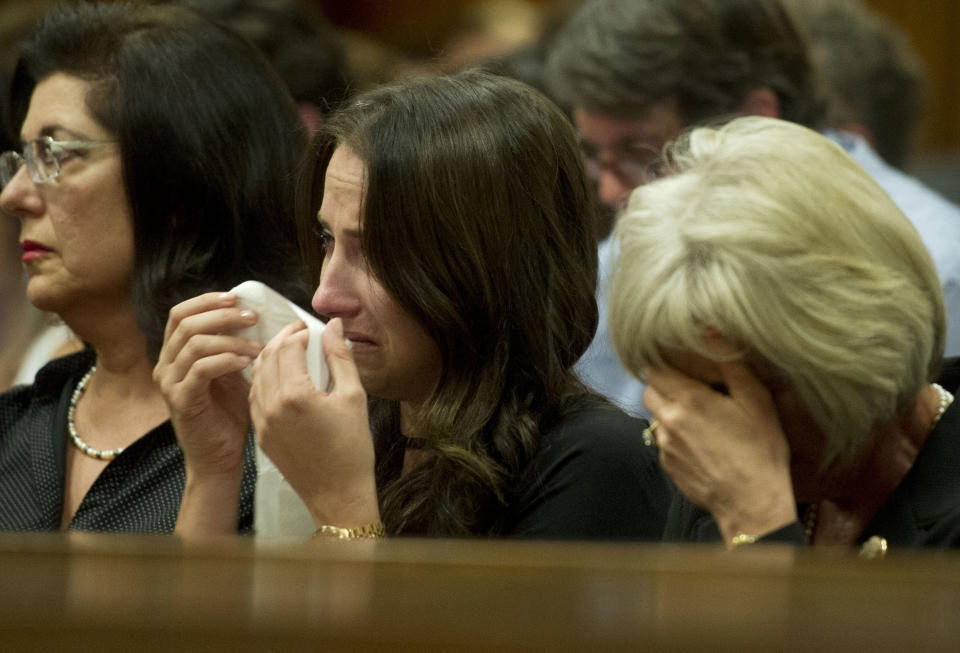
(32, 250)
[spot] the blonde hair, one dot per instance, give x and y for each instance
(770, 235)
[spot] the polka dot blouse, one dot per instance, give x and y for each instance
(139, 491)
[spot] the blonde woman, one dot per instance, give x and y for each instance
(790, 325)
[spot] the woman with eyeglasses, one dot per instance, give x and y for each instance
(157, 156)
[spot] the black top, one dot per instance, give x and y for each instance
(592, 478)
(139, 491)
(924, 510)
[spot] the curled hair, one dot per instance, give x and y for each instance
(478, 220)
(622, 57)
(769, 234)
(209, 141)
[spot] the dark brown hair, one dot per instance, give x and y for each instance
(478, 220)
(208, 137)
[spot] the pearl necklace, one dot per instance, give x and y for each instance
(810, 515)
(946, 398)
(72, 430)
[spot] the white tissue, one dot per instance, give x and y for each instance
(278, 510)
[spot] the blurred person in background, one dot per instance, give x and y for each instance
(301, 45)
(872, 78)
(28, 337)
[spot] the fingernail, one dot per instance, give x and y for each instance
(349, 344)
(248, 315)
(227, 296)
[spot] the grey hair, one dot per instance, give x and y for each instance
(772, 236)
(621, 57)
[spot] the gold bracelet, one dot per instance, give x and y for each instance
(368, 532)
(742, 538)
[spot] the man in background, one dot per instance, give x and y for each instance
(636, 73)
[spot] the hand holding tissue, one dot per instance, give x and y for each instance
(278, 510)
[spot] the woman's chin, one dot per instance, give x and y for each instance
(43, 296)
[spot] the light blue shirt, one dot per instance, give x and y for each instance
(599, 367)
(936, 220)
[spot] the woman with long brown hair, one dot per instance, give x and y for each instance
(457, 256)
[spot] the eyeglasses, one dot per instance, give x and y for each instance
(43, 157)
(634, 165)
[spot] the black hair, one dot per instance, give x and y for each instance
(209, 141)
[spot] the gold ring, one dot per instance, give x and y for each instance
(649, 434)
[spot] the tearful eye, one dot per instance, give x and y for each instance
(321, 235)
(324, 239)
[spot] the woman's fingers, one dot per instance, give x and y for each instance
(666, 380)
(273, 364)
(654, 400)
(725, 451)
(192, 388)
(745, 387)
(339, 359)
(285, 355)
(192, 334)
(199, 348)
(203, 346)
(194, 305)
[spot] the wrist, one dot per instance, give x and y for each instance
(746, 528)
(346, 507)
(213, 476)
(222, 464)
(210, 505)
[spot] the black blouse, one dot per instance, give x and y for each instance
(592, 478)
(139, 491)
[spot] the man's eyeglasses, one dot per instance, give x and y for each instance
(43, 157)
(634, 165)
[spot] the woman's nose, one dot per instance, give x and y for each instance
(335, 296)
(20, 197)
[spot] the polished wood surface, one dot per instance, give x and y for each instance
(125, 593)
